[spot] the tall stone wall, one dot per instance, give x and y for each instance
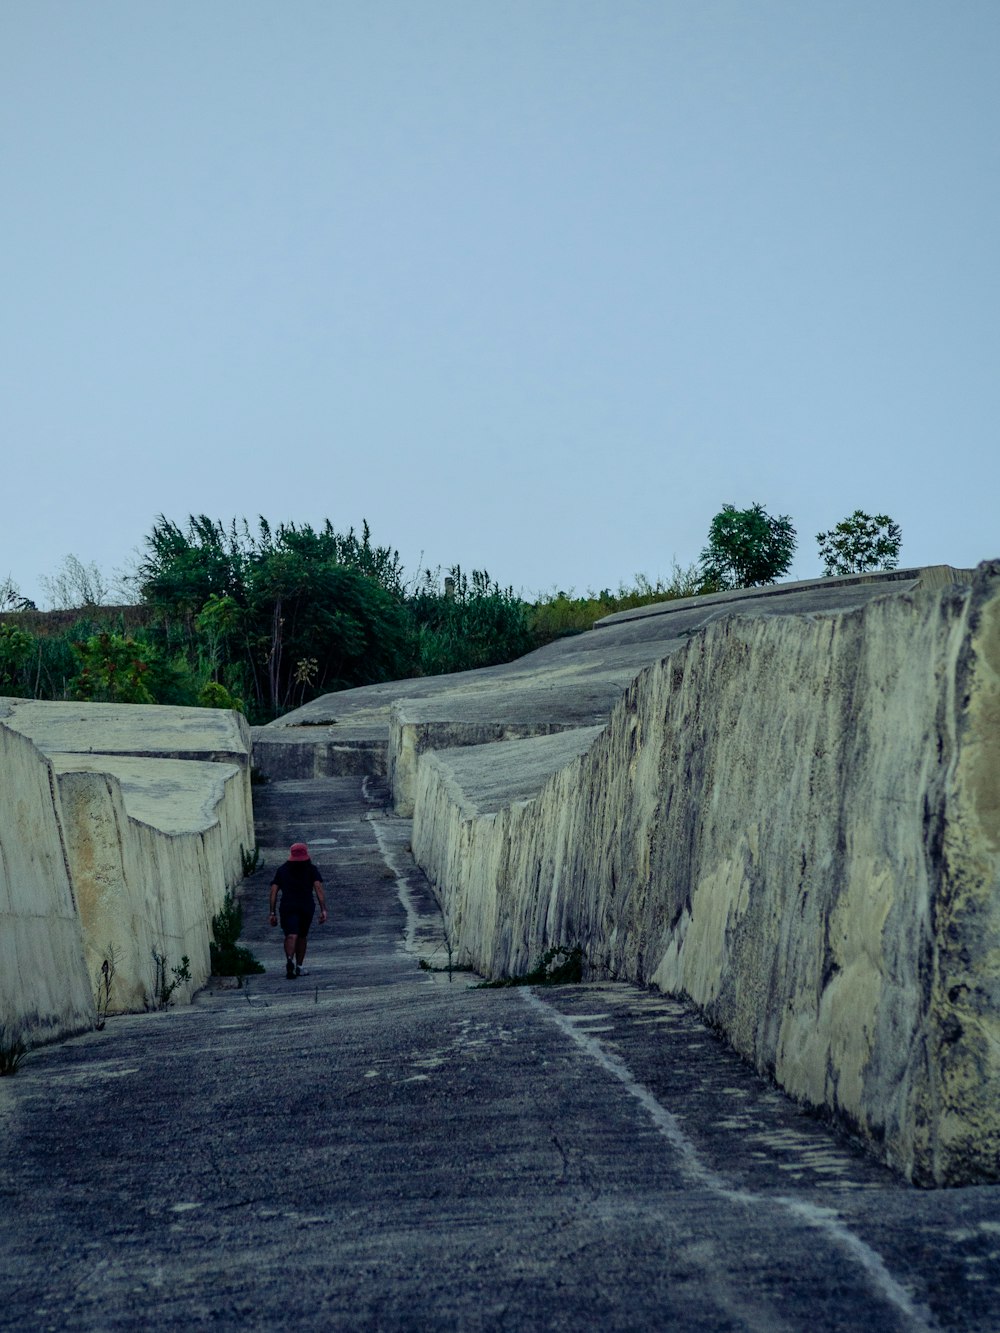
(115, 855)
(794, 822)
(143, 889)
(44, 987)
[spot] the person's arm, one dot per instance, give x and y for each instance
(320, 898)
(274, 904)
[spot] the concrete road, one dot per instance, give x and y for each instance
(374, 1146)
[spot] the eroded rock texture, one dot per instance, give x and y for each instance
(121, 829)
(794, 821)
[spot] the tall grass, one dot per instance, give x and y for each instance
(561, 613)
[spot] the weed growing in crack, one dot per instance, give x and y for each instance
(452, 966)
(104, 982)
(12, 1052)
(558, 966)
(163, 989)
(230, 959)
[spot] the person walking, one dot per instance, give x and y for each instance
(298, 880)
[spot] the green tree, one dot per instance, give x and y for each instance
(183, 567)
(17, 648)
(318, 626)
(747, 548)
(860, 542)
(277, 615)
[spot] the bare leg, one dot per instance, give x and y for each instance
(290, 945)
(300, 949)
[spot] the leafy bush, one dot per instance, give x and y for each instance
(12, 1052)
(558, 966)
(230, 959)
(112, 668)
(215, 695)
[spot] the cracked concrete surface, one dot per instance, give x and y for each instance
(431, 1155)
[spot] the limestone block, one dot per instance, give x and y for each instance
(297, 754)
(150, 809)
(44, 988)
(414, 729)
(793, 820)
(151, 731)
(152, 847)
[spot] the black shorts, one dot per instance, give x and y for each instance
(296, 920)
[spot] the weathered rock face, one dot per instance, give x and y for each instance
(150, 867)
(112, 846)
(44, 988)
(412, 734)
(795, 822)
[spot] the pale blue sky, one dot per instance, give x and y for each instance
(531, 285)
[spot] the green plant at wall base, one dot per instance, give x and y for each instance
(12, 1052)
(104, 982)
(163, 989)
(558, 966)
(230, 959)
(227, 924)
(250, 860)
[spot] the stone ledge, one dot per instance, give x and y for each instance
(147, 808)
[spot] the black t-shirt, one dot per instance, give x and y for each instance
(295, 880)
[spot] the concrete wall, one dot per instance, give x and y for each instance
(299, 755)
(44, 987)
(146, 731)
(794, 822)
(150, 884)
(112, 855)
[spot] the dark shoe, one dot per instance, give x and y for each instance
(289, 970)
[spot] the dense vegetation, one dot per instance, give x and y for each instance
(267, 619)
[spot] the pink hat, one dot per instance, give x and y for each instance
(299, 852)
